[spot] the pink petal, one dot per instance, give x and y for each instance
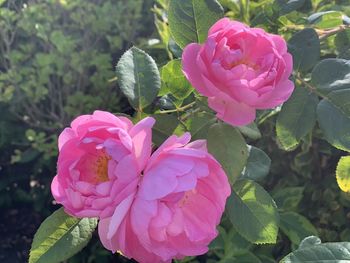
(219, 25)
(119, 214)
(142, 212)
(157, 183)
(126, 170)
(200, 216)
(56, 189)
(115, 149)
(82, 119)
(186, 182)
(141, 135)
(65, 136)
(177, 225)
(101, 203)
(198, 145)
(232, 112)
(280, 43)
(108, 117)
(103, 188)
(158, 224)
(171, 143)
(276, 97)
(190, 68)
(103, 227)
(84, 187)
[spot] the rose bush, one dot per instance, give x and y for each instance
(240, 70)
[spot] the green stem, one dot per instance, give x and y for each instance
(323, 34)
(265, 117)
(327, 33)
(139, 114)
(183, 108)
(187, 115)
(310, 87)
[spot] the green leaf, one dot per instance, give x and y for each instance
(305, 49)
(60, 236)
(231, 5)
(289, 197)
(296, 227)
(229, 148)
(199, 124)
(309, 241)
(247, 257)
(342, 43)
(287, 6)
(321, 253)
(236, 244)
(190, 20)
(327, 19)
(219, 242)
(333, 115)
(266, 259)
(296, 118)
(252, 212)
(174, 81)
(229, 244)
(251, 131)
(169, 102)
(258, 164)
(331, 78)
(175, 49)
(343, 173)
(331, 74)
(138, 78)
(164, 127)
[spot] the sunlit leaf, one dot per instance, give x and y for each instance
(296, 226)
(229, 148)
(296, 118)
(343, 173)
(253, 212)
(60, 236)
(138, 78)
(190, 20)
(318, 253)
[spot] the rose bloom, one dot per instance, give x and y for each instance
(174, 213)
(151, 207)
(100, 159)
(239, 69)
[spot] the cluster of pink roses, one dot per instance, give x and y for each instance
(154, 206)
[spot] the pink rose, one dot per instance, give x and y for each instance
(239, 69)
(174, 212)
(100, 161)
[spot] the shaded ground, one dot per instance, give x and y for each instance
(17, 228)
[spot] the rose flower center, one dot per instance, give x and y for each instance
(101, 168)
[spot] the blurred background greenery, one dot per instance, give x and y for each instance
(57, 60)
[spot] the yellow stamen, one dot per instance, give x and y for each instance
(245, 62)
(102, 168)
